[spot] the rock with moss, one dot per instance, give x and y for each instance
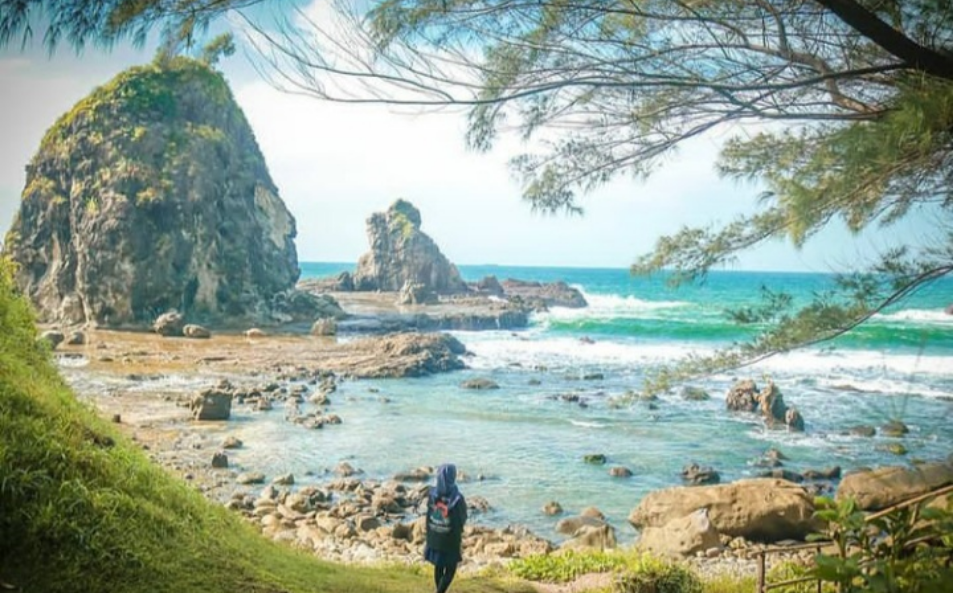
(152, 194)
(402, 253)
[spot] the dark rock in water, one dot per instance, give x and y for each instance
(299, 305)
(220, 460)
(782, 474)
(401, 252)
(697, 474)
(595, 458)
(894, 428)
(406, 355)
(479, 383)
(694, 393)
(742, 396)
(540, 295)
(862, 430)
(152, 194)
(552, 508)
(828, 473)
(620, 472)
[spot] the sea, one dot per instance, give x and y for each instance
(523, 445)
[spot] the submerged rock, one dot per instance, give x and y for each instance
(152, 194)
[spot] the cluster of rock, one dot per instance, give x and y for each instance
(368, 521)
(129, 211)
(54, 338)
(403, 259)
(744, 396)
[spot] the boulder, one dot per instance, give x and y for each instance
(700, 474)
(211, 404)
(232, 442)
(249, 478)
(880, 488)
(761, 509)
(599, 537)
(136, 203)
(552, 508)
(401, 253)
(52, 337)
(620, 472)
(594, 458)
(196, 332)
(169, 324)
(741, 396)
(682, 536)
(775, 412)
(894, 428)
(219, 460)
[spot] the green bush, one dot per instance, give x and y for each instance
(635, 572)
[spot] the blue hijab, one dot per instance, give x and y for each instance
(446, 487)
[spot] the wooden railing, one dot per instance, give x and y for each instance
(764, 586)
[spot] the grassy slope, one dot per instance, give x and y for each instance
(82, 509)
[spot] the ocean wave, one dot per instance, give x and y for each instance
(498, 349)
(919, 316)
(614, 306)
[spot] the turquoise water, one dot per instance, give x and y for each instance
(528, 443)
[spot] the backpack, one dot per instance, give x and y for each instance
(438, 519)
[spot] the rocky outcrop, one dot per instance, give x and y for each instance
(540, 295)
(401, 253)
(406, 355)
(744, 396)
(886, 486)
(151, 194)
(760, 509)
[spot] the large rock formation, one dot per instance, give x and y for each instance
(151, 194)
(401, 253)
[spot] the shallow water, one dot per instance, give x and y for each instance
(527, 444)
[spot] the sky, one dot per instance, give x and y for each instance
(336, 164)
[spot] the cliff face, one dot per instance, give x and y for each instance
(401, 253)
(152, 194)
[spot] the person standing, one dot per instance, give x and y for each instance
(446, 516)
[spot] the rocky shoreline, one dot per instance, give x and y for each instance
(336, 513)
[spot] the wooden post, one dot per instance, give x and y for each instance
(761, 572)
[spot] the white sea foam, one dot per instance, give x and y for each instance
(499, 349)
(919, 316)
(613, 306)
(881, 385)
(585, 424)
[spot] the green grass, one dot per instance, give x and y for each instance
(82, 509)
